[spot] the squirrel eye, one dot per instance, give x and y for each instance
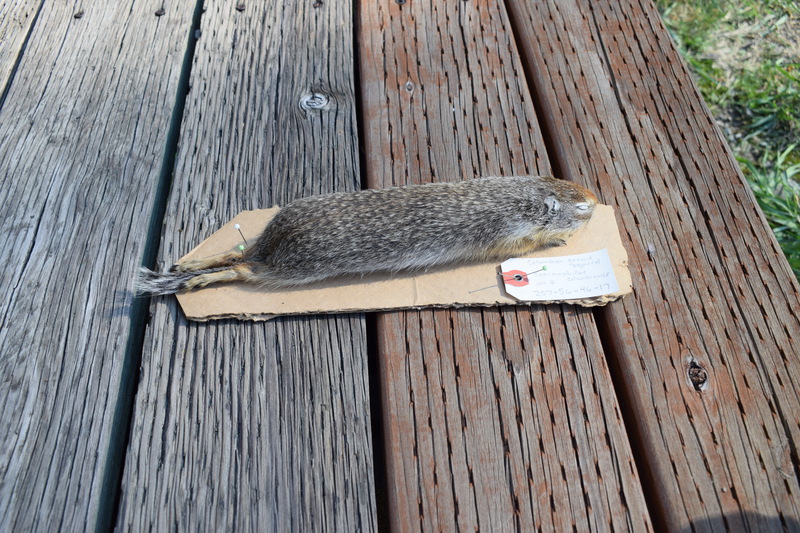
(582, 206)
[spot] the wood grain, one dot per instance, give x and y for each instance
(706, 348)
(16, 20)
(241, 425)
(501, 419)
(83, 132)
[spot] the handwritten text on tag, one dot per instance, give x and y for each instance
(570, 277)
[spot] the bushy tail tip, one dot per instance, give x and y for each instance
(154, 283)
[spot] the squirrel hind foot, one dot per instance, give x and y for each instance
(161, 283)
(227, 259)
(240, 272)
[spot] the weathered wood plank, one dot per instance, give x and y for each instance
(83, 132)
(500, 418)
(16, 21)
(714, 297)
(256, 426)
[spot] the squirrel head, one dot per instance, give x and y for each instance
(569, 206)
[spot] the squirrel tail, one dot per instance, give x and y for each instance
(194, 274)
(153, 283)
(149, 282)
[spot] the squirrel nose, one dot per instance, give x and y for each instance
(589, 197)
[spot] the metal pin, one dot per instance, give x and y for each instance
(238, 228)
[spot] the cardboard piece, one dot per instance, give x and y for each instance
(463, 286)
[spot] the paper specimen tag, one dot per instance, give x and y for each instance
(569, 277)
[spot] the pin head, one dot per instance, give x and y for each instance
(241, 247)
(237, 228)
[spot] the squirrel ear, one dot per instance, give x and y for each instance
(552, 204)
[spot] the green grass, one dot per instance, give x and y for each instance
(778, 194)
(746, 60)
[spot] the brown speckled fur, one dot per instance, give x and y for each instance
(396, 229)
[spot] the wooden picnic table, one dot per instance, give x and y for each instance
(131, 131)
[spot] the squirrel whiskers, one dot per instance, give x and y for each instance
(390, 230)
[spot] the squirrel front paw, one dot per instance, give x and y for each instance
(555, 242)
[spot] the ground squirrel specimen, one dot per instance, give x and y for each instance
(390, 230)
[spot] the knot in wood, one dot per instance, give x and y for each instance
(697, 375)
(314, 101)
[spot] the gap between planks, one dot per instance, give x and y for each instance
(8, 69)
(140, 306)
